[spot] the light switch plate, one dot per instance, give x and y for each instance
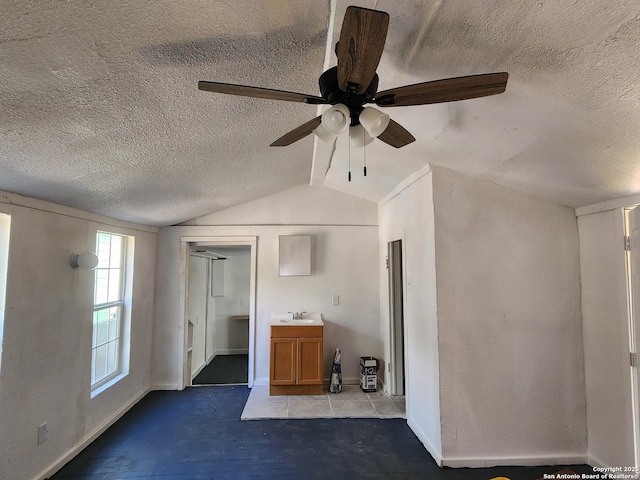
(335, 300)
(43, 432)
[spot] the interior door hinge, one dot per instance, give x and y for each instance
(632, 359)
(387, 260)
(627, 243)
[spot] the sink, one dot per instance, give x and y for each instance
(310, 319)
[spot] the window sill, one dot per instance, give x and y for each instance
(98, 390)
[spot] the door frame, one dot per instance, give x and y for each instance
(186, 243)
(633, 312)
(398, 368)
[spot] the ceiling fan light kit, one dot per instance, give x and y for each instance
(353, 83)
(374, 121)
(358, 136)
(325, 135)
(336, 119)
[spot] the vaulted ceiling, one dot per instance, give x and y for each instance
(99, 106)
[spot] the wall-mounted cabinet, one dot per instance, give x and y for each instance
(294, 255)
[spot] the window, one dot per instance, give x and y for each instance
(109, 308)
(5, 226)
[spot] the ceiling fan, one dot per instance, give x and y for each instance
(354, 83)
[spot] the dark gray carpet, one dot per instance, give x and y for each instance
(223, 370)
(197, 433)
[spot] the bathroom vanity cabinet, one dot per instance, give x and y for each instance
(296, 359)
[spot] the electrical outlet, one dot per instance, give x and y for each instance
(43, 431)
(242, 303)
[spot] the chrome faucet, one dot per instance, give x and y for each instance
(297, 315)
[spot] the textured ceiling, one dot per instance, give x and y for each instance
(99, 107)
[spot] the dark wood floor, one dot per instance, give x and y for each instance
(223, 370)
(198, 434)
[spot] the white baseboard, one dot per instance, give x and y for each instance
(462, 462)
(64, 459)
(195, 373)
(231, 351)
(264, 381)
(261, 382)
(345, 381)
(596, 462)
(164, 386)
(433, 451)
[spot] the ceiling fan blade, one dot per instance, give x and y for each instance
(360, 46)
(258, 92)
(396, 135)
(297, 133)
(447, 90)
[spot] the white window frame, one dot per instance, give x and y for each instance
(5, 234)
(122, 313)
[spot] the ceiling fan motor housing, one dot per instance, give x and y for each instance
(330, 90)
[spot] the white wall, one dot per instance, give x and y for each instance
(232, 336)
(45, 371)
(510, 337)
(606, 338)
(408, 215)
(302, 205)
(344, 263)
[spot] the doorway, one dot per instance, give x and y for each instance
(218, 290)
(396, 317)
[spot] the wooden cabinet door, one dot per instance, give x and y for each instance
(309, 361)
(283, 363)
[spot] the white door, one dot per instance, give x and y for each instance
(634, 234)
(198, 312)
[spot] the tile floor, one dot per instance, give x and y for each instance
(350, 403)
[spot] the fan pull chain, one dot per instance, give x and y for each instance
(364, 151)
(349, 176)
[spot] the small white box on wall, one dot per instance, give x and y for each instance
(295, 255)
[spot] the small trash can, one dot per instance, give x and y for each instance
(368, 374)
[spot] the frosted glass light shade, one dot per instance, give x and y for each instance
(358, 136)
(374, 121)
(324, 135)
(336, 119)
(84, 261)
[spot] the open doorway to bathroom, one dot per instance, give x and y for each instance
(219, 310)
(219, 291)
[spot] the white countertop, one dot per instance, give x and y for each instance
(308, 319)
